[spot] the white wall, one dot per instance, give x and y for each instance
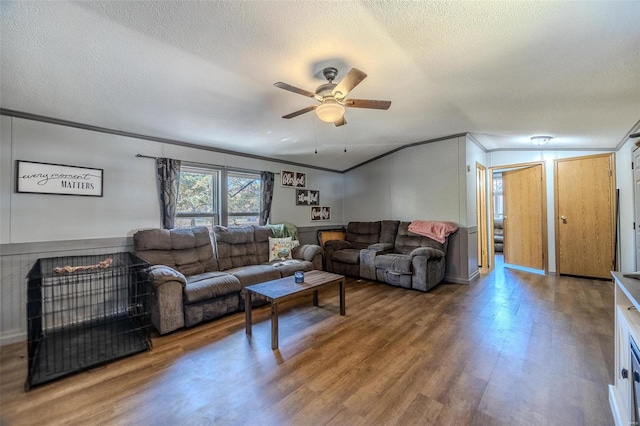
(503, 158)
(421, 182)
(130, 200)
(474, 154)
(624, 182)
(5, 177)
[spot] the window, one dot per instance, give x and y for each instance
(498, 201)
(201, 201)
(243, 198)
(198, 198)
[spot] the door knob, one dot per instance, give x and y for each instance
(564, 219)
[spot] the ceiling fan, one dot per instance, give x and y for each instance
(332, 97)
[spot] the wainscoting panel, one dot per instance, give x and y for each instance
(16, 260)
(462, 256)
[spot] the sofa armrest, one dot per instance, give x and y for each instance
(166, 299)
(336, 245)
(310, 252)
(385, 247)
(428, 252)
(368, 259)
(330, 247)
(160, 274)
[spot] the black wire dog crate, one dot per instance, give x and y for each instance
(83, 311)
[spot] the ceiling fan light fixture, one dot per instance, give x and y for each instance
(330, 111)
(540, 140)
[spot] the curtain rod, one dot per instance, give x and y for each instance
(193, 163)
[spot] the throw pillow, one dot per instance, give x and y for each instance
(279, 248)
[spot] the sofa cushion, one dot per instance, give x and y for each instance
(254, 274)
(210, 285)
(399, 263)
(261, 235)
(407, 241)
(351, 256)
(363, 234)
(388, 231)
(235, 246)
(187, 250)
(288, 267)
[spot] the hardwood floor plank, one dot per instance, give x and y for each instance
(514, 348)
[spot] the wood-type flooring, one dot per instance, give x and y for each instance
(513, 348)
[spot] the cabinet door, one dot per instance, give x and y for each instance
(623, 362)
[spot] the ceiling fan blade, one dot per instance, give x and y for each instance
(294, 89)
(300, 112)
(367, 103)
(351, 80)
(341, 122)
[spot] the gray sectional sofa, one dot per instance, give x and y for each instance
(387, 251)
(198, 276)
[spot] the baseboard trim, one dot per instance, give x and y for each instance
(13, 337)
(460, 280)
(613, 403)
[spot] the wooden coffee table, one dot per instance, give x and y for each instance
(277, 291)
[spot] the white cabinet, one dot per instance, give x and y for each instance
(623, 367)
(627, 324)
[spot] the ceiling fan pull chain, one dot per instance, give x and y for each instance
(315, 122)
(345, 138)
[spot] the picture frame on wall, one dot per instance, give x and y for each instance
(320, 213)
(287, 178)
(47, 178)
(307, 197)
(301, 180)
(291, 179)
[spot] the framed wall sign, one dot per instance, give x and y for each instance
(45, 178)
(301, 180)
(319, 213)
(307, 197)
(292, 179)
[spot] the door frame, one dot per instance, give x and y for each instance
(481, 212)
(614, 219)
(636, 202)
(545, 227)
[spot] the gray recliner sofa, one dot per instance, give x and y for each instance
(198, 276)
(398, 257)
(415, 261)
(343, 256)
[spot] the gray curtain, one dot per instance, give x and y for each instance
(169, 181)
(267, 179)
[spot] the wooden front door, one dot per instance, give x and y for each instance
(523, 217)
(585, 224)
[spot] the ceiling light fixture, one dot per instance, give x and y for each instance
(330, 111)
(540, 140)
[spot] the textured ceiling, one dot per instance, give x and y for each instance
(203, 72)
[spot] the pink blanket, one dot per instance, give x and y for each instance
(435, 230)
